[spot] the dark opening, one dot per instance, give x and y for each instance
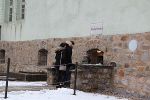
(95, 56)
(2, 56)
(42, 57)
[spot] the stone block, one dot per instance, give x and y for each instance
(126, 65)
(145, 56)
(124, 38)
(121, 73)
(146, 47)
(141, 68)
(125, 45)
(148, 81)
(146, 88)
(129, 71)
(85, 82)
(141, 80)
(147, 36)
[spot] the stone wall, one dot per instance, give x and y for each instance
(132, 71)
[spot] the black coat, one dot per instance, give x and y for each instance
(60, 57)
(68, 54)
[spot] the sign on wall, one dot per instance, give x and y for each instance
(133, 45)
(96, 28)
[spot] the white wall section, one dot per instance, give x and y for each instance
(71, 18)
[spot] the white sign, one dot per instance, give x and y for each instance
(96, 28)
(133, 45)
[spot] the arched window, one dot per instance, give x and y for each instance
(2, 56)
(42, 57)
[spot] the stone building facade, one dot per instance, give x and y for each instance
(131, 74)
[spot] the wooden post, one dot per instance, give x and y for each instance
(7, 75)
(75, 78)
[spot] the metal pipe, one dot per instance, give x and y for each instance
(75, 78)
(7, 75)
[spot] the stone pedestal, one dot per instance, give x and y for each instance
(51, 76)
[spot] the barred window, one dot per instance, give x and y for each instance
(2, 56)
(42, 57)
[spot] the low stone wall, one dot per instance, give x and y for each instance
(93, 79)
(131, 74)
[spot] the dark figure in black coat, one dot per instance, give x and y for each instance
(69, 46)
(60, 60)
(60, 54)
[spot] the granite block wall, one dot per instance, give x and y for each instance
(133, 68)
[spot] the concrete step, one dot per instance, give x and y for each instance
(10, 78)
(26, 76)
(29, 88)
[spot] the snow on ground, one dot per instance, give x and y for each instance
(20, 83)
(58, 94)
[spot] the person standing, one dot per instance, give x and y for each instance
(68, 49)
(60, 59)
